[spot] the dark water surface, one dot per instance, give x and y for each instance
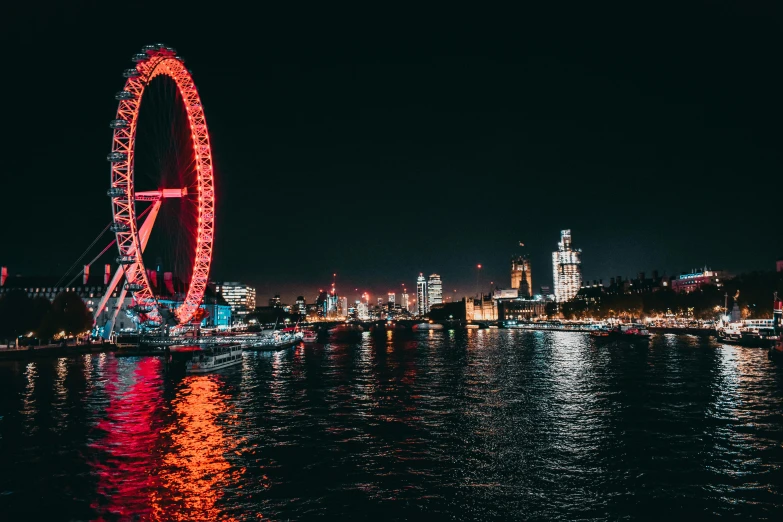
(478, 425)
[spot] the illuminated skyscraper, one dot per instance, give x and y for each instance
(421, 295)
(342, 307)
(566, 268)
(301, 306)
(362, 310)
(404, 301)
(241, 298)
(434, 291)
(391, 299)
(521, 277)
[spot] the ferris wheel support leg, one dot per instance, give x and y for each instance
(144, 235)
(105, 299)
(114, 315)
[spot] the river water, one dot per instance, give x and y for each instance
(475, 425)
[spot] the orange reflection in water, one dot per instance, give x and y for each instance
(194, 472)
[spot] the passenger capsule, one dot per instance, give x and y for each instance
(119, 227)
(124, 95)
(140, 57)
(116, 192)
(133, 287)
(119, 124)
(148, 48)
(131, 73)
(142, 309)
(116, 157)
(125, 260)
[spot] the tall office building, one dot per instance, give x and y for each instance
(521, 276)
(362, 310)
(241, 298)
(566, 268)
(434, 291)
(391, 299)
(404, 301)
(301, 305)
(421, 295)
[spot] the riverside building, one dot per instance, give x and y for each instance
(695, 279)
(521, 276)
(566, 268)
(241, 298)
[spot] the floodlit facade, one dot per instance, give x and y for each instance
(421, 296)
(241, 298)
(521, 276)
(434, 291)
(696, 279)
(566, 268)
(485, 308)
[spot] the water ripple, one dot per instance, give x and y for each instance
(488, 424)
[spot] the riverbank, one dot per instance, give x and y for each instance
(52, 350)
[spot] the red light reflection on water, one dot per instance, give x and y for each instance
(128, 457)
(161, 462)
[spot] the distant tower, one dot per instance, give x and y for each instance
(434, 291)
(521, 276)
(421, 295)
(391, 299)
(566, 268)
(404, 301)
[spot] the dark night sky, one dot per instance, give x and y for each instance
(383, 143)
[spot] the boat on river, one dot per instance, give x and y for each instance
(435, 326)
(309, 336)
(776, 350)
(279, 340)
(209, 359)
(634, 332)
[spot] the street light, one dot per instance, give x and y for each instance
(478, 271)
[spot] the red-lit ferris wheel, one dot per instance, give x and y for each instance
(187, 165)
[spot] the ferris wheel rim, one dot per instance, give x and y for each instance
(154, 61)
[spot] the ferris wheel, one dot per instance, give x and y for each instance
(182, 177)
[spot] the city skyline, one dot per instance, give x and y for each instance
(651, 160)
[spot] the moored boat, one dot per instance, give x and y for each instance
(279, 340)
(776, 350)
(634, 332)
(309, 336)
(434, 326)
(730, 334)
(209, 359)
